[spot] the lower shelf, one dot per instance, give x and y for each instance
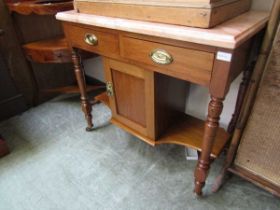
(48, 51)
(103, 98)
(188, 132)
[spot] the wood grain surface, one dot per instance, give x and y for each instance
(40, 7)
(195, 16)
(48, 51)
(174, 3)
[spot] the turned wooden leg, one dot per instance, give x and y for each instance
(220, 179)
(211, 125)
(80, 76)
(240, 97)
(4, 150)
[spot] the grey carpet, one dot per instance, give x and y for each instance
(56, 165)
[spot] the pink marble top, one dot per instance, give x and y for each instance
(228, 35)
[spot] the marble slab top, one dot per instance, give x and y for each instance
(228, 35)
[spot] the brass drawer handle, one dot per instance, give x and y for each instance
(161, 57)
(91, 39)
(109, 89)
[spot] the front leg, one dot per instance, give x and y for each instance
(211, 126)
(80, 77)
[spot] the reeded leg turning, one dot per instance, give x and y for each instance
(212, 123)
(80, 76)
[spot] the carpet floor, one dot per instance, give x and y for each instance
(56, 165)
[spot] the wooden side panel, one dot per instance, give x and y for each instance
(170, 99)
(224, 72)
(228, 11)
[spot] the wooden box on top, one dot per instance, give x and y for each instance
(193, 13)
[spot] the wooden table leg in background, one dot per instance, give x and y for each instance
(4, 150)
(211, 126)
(232, 125)
(80, 76)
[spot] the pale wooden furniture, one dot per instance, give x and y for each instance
(255, 154)
(45, 46)
(254, 151)
(195, 13)
(146, 65)
(50, 50)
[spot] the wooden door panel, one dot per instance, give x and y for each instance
(133, 101)
(130, 96)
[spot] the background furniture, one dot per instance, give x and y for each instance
(254, 150)
(14, 61)
(45, 47)
(11, 100)
(3, 147)
(4, 150)
(139, 57)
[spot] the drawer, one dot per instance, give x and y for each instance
(188, 64)
(97, 41)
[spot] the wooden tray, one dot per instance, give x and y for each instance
(48, 51)
(39, 7)
(195, 13)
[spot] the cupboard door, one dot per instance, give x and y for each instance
(132, 96)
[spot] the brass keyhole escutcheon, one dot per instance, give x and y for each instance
(109, 89)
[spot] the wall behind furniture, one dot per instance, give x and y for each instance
(263, 5)
(197, 102)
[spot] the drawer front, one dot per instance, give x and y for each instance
(103, 43)
(188, 64)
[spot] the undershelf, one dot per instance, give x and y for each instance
(103, 98)
(188, 132)
(48, 51)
